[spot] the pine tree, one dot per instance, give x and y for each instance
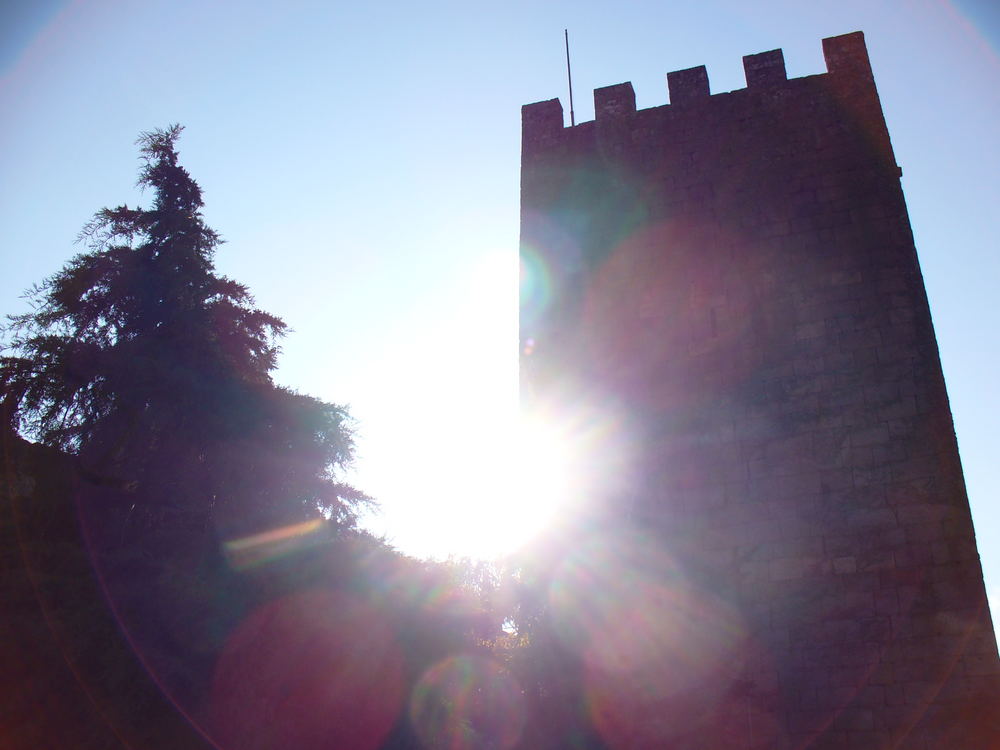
(156, 371)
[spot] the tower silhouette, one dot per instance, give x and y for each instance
(734, 278)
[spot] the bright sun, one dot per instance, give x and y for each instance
(503, 487)
(504, 481)
(533, 486)
(458, 471)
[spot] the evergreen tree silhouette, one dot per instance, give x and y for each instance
(156, 372)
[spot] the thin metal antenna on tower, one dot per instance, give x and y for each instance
(569, 75)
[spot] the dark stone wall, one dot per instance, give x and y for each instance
(69, 676)
(737, 275)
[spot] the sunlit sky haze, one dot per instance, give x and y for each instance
(362, 159)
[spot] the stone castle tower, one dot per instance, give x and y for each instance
(735, 276)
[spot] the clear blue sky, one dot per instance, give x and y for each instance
(362, 162)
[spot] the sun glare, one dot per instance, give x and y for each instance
(472, 477)
(532, 492)
(502, 489)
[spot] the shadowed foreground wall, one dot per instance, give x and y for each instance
(69, 678)
(735, 276)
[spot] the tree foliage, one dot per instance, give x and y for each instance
(156, 370)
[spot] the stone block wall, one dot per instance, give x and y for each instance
(735, 273)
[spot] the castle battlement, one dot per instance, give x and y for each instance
(848, 72)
